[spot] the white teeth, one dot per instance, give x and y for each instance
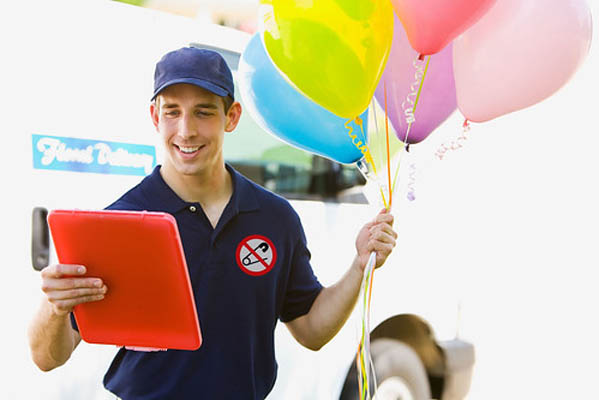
(188, 149)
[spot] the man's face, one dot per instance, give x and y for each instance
(192, 122)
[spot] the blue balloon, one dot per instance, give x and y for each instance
(290, 116)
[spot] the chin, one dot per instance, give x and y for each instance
(190, 171)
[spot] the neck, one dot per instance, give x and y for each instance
(207, 187)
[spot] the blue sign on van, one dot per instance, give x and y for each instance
(98, 156)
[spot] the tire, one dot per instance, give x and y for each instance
(400, 374)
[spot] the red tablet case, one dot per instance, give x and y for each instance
(139, 256)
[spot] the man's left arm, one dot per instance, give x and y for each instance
(334, 304)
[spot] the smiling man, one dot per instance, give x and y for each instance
(245, 249)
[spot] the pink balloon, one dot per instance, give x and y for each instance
(432, 24)
(518, 54)
(437, 99)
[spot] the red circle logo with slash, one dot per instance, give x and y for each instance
(256, 255)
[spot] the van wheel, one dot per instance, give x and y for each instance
(400, 374)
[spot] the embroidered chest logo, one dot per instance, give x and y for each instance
(256, 255)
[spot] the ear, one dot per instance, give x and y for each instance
(233, 117)
(154, 112)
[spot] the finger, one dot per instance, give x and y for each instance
(382, 250)
(384, 237)
(70, 283)
(61, 270)
(389, 231)
(383, 228)
(384, 218)
(75, 294)
(381, 246)
(66, 306)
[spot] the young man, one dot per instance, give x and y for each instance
(216, 210)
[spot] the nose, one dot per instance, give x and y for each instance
(187, 126)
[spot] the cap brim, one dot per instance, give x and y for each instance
(211, 87)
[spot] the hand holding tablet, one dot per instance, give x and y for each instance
(149, 304)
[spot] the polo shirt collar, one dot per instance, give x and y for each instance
(243, 198)
(161, 195)
(244, 195)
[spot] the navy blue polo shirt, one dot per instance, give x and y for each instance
(248, 272)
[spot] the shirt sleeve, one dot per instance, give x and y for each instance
(74, 322)
(303, 287)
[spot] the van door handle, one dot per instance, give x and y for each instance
(40, 239)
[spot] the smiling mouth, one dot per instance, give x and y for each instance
(188, 149)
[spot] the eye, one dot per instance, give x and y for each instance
(171, 113)
(202, 113)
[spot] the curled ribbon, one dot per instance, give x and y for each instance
(414, 94)
(362, 146)
(412, 182)
(454, 144)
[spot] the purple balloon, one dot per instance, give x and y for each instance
(438, 96)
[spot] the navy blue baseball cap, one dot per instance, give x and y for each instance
(201, 67)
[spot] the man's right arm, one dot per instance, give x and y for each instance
(51, 337)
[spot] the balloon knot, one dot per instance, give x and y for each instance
(420, 57)
(358, 121)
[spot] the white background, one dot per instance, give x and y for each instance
(513, 218)
(510, 221)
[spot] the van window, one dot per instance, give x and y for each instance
(282, 168)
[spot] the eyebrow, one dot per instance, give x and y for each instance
(199, 105)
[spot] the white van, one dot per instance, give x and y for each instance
(79, 135)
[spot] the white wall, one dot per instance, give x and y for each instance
(513, 218)
(80, 69)
(508, 224)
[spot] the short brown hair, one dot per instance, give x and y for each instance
(227, 102)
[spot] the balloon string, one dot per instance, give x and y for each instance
(376, 143)
(388, 155)
(363, 147)
(415, 91)
(361, 362)
(367, 154)
(364, 362)
(454, 144)
(363, 371)
(367, 336)
(359, 369)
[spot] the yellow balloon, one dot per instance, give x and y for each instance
(332, 51)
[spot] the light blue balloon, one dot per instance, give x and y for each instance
(290, 116)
